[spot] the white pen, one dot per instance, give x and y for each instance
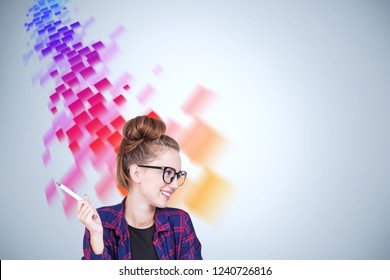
(69, 191)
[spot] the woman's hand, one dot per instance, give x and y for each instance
(90, 218)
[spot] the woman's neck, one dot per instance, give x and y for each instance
(138, 214)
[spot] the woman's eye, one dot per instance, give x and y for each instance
(169, 172)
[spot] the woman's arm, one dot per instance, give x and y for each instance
(191, 248)
(89, 217)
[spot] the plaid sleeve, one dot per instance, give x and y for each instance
(88, 252)
(191, 246)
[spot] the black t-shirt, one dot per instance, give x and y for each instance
(141, 241)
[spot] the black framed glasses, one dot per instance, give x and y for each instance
(169, 174)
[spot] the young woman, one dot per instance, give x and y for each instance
(142, 226)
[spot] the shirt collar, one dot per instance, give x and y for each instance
(161, 220)
(119, 224)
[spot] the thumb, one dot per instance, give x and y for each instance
(86, 198)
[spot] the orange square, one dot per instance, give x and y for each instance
(208, 196)
(202, 144)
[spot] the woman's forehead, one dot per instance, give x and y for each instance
(168, 157)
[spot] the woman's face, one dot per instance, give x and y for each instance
(155, 191)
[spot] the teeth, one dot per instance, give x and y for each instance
(166, 193)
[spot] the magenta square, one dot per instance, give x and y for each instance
(102, 84)
(55, 97)
(67, 94)
(85, 94)
(65, 50)
(84, 51)
(87, 72)
(78, 67)
(98, 45)
(54, 110)
(77, 45)
(92, 54)
(98, 110)
(68, 77)
(51, 192)
(75, 59)
(60, 88)
(54, 73)
(82, 119)
(71, 54)
(94, 60)
(120, 100)
(58, 57)
(96, 99)
(76, 107)
(73, 82)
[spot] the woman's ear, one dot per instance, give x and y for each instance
(135, 173)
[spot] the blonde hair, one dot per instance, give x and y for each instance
(143, 138)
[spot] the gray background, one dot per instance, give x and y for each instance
(304, 101)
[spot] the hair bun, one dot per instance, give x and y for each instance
(143, 128)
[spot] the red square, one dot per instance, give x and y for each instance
(104, 132)
(118, 123)
(115, 139)
(60, 134)
(97, 146)
(153, 115)
(74, 133)
(94, 125)
(74, 147)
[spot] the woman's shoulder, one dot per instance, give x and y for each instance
(170, 211)
(110, 212)
(175, 215)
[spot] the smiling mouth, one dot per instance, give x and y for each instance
(167, 195)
